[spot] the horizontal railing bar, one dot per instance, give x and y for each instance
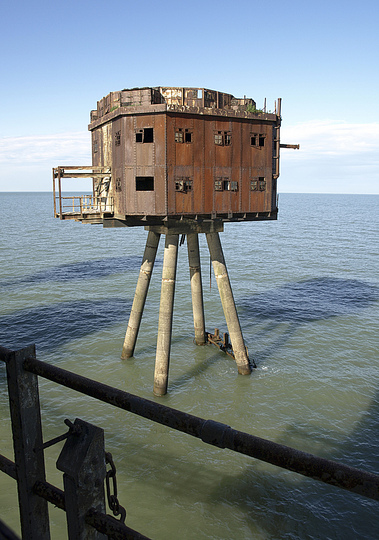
(112, 527)
(217, 434)
(81, 167)
(8, 467)
(50, 493)
(6, 533)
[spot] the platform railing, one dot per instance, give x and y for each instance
(23, 370)
(82, 206)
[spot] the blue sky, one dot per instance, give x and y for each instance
(59, 58)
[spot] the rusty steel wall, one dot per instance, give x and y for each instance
(175, 161)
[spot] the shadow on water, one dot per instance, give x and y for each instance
(311, 300)
(303, 302)
(55, 324)
(82, 270)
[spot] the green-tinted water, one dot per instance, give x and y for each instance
(306, 288)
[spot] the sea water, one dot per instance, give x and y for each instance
(307, 293)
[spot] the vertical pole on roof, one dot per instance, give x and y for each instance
(196, 288)
(228, 304)
(140, 294)
(166, 309)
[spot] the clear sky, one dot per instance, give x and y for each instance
(59, 58)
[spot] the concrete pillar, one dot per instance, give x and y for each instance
(228, 305)
(140, 294)
(165, 314)
(196, 288)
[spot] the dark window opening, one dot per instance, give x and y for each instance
(145, 135)
(117, 138)
(144, 183)
(261, 140)
(118, 184)
(253, 140)
(187, 136)
(148, 135)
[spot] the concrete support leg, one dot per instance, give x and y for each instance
(228, 304)
(165, 314)
(196, 288)
(140, 294)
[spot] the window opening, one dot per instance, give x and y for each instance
(145, 135)
(117, 138)
(144, 183)
(225, 184)
(223, 138)
(261, 140)
(183, 136)
(179, 136)
(258, 184)
(183, 184)
(253, 140)
(95, 146)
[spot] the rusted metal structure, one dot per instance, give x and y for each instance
(178, 161)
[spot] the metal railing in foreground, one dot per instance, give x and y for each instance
(211, 432)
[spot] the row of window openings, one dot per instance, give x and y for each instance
(184, 184)
(221, 138)
(225, 184)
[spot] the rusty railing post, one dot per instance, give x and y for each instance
(27, 442)
(82, 460)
